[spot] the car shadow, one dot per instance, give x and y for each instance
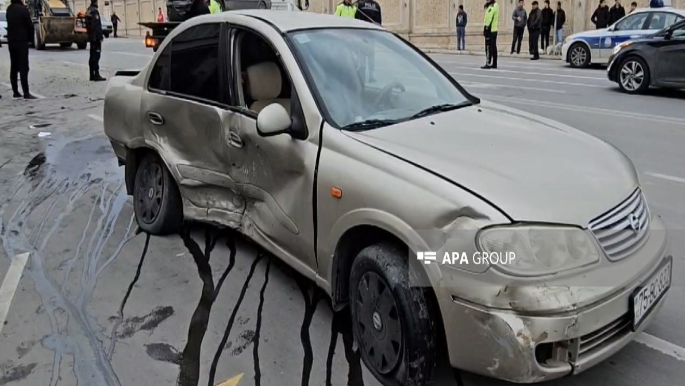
(654, 92)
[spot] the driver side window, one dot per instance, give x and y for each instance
(632, 22)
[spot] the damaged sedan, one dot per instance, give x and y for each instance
(349, 154)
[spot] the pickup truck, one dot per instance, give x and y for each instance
(178, 9)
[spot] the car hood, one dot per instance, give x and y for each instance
(532, 168)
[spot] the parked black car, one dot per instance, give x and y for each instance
(657, 61)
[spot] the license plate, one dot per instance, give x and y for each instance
(646, 297)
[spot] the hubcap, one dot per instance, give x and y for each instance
(632, 75)
(378, 323)
(578, 56)
(150, 192)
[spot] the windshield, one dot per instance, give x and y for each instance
(371, 76)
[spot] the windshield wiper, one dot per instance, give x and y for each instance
(440, 108)
(369, 124)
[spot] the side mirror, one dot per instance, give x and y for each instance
(273, 120)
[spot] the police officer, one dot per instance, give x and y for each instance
(95, 33)
(346, 9)
(20, 31)
(491, 34)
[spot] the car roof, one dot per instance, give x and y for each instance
(661, 9)
(286, 21)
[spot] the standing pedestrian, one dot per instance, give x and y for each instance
(616, 12)
(534, 23)
(346, 9)
(460, 24)
(369, 11)
(115, 19)
(491, 34)
(600, 17)
(519, 23)
(546, 23)
(20, 31)
(95, 35)
(160, 18)
(560, 22)
(633, 6)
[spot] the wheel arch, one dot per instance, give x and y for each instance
(134, 156)
(574, 44)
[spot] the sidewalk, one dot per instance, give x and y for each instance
(482, 53)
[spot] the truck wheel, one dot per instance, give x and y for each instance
(65, 45)
(392, 321)
(157, 200)
(38, 44)
(81, 46)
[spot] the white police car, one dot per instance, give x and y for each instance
(596, 46)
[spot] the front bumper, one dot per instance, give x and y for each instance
(525, 347)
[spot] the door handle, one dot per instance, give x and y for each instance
(235, 140)
(156, 119)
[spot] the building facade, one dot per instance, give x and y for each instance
(426, 23)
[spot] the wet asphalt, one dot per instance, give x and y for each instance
(98, 303)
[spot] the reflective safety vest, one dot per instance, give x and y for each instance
(345, 10)
(214, 6)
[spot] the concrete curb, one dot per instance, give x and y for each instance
(481, 53)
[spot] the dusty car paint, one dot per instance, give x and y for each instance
(419, 182)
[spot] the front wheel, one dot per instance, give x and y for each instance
(156, 198)
(392, 321)
(262, 5)
(579, 55)
(633, 75)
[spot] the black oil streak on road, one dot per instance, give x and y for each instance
(310, 304)
(257, 334)
(226, 334)
(120, 313)
(16, 373)
(189, 367)
(341, 324)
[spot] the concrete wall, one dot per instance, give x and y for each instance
(427, 23)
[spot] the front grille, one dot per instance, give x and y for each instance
(625, 228)
(604, 335)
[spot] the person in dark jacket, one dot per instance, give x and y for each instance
(616, 12)
(368, 10)
(460, 25)
(199, 8)
(94, 30)
(560, 22)
(600, 17)
(546, 24)
(519, 23)
(115, 19)
(20, 31)
(534, 23)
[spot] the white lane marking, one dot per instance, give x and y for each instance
(39, 96)
(95, 117)
(666, 177)
(466, 67)
(662, 346)
(520, 65)
(131, 53)
(615, 113)
(527, 80)
(10, 283)
(494, 85)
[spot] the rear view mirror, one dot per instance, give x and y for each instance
(273, 120)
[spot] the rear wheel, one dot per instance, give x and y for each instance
(392, 321)
(262, 5)
(38, 43)
(633, 75)
(579, 55)
(157, 200)
(81, 46)
(65, 45)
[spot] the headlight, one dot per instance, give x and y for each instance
(619, 47)
(539, 250)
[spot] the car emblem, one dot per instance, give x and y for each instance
(634, 222)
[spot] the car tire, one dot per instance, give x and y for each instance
(156, 197)
(633, 75)
(262, 5)
(81, 46)
(65, 45)
(38, 44)
(106, 35)
(393, 322)
(579, 55)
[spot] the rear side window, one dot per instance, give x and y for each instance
(189, 65)
(661, 20)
